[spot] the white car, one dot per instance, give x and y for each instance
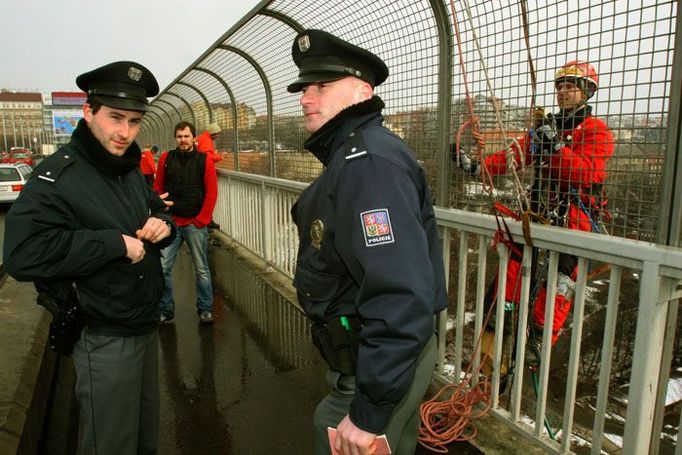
(13, 177)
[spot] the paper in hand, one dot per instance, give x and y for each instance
(380, 446)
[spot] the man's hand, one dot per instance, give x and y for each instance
(154, 230)
(478, 138)
(351, 440)
(163, 197)
(134, 248)
(468, 164)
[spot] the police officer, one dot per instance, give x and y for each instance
(369, 273)
(87, 224)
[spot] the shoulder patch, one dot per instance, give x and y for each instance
(354, 153)
(355, 144)
(50, 169)
(376, 227)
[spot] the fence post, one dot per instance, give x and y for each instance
(267, 210)
(654, 294)
(440, 15)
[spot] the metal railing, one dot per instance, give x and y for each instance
(240, 83)
(253, 210)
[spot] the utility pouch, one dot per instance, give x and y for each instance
(66, 325)
(338, 341)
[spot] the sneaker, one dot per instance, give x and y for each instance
(206, 317)
(165, 318)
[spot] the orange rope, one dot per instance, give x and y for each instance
(449, 420)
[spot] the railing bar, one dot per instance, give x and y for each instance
(442, 318)
(480, 295)
(543, 380)
(519, 371)
(461, 294)
(499, 322)
(574, 356)
(646, 360)
(606, 358)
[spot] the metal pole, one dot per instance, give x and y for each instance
(14, 131)
(440, 15)
(4, 130)
(21, 127)
(670, 227)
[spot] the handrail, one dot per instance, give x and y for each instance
(254, 211)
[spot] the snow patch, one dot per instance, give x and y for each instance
(674, 392)
(615, 438)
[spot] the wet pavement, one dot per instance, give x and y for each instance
(223, 388)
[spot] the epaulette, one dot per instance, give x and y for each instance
(50, 169)
(356, 148)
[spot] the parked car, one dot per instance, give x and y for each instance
(13, 177)
(19, 155)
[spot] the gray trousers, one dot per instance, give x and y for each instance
(404, 424)
(117, 387)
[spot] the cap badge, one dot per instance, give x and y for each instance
(316, 233)
(135, 73)
(304, 43)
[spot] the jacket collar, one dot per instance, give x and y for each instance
(325, 141)
(568, 120)
(106, 162)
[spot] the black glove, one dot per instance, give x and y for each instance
(468, 164)
(546, 137)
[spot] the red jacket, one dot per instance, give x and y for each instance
(147, 165)
(579, 164)
(205, 145)
(210, 193)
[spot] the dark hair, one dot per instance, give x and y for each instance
(183, 125)
(94, 103)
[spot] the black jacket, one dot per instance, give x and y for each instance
(369, 248)
(66, 226)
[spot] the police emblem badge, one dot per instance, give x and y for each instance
(316, 233)
(376, 227)
(134, 74)
(304, 43)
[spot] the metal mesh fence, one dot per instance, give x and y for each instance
(434, 89)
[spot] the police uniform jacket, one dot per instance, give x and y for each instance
(369, 249)
(66, 226)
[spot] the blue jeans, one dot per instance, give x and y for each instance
(197, 241)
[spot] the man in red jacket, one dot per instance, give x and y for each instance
(189, 179)
(147, 165)
(206, 144)
(569, 151)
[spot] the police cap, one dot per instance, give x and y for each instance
(322, 57)
(121, 85)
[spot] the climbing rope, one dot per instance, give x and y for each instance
(448, 419)
(448, 416)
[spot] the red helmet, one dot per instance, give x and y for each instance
(580, 72)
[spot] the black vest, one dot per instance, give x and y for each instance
(185, 182)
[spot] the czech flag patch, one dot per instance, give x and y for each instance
(376, 227)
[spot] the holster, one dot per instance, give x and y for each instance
(338, 344)
(66, 325)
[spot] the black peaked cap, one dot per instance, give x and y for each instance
(121, 85)
(322, 57)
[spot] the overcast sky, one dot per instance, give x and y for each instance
(45, 44)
